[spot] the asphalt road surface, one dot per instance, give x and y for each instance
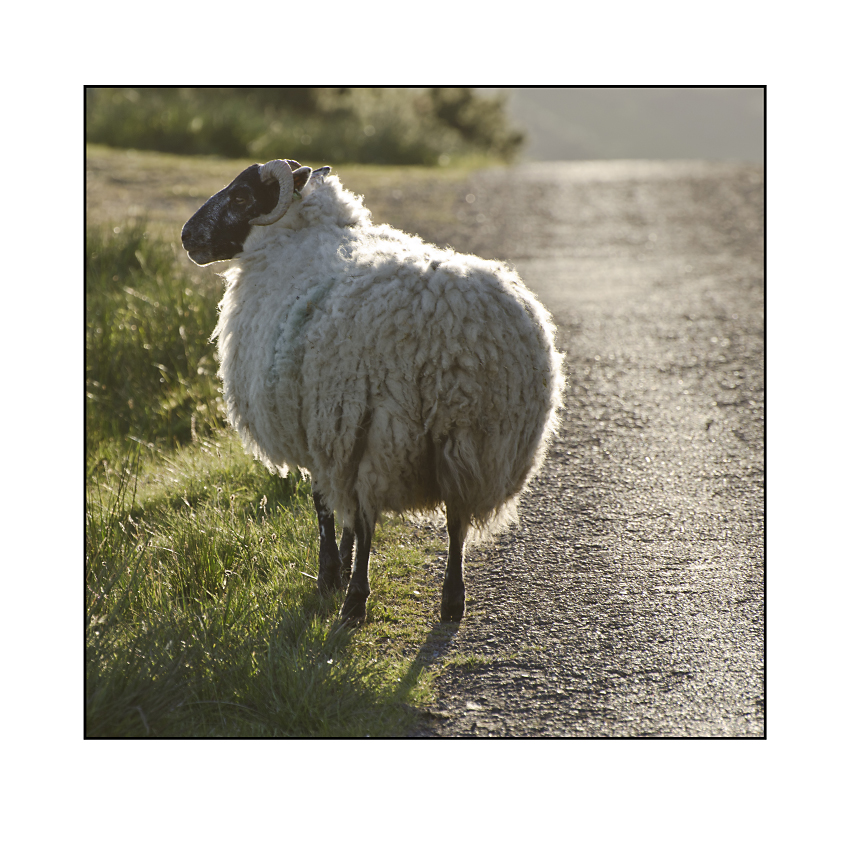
(629, 601)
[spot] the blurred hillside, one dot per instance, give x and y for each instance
(432, 126)
(639, 123)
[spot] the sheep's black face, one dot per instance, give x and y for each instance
(218, 230)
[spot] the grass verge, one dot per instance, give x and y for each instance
(202, 615)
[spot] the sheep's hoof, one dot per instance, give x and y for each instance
(452, 607)
(353, 611)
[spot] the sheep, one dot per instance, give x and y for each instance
(402, 377)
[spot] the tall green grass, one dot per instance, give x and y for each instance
(150, 365)
(202, 615)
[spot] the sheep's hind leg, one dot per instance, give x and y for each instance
(353, 610)
(454, 592)
(330, 563)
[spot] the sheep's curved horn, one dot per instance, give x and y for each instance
(281, 171)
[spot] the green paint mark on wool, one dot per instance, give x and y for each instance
(289, 348)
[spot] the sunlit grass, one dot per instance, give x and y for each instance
(203, 616)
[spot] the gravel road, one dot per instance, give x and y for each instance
(630, 599)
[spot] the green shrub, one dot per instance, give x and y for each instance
(339, 125)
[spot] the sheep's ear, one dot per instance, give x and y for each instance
(300, 177)
(321, 173)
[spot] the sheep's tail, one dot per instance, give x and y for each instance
(468, 491)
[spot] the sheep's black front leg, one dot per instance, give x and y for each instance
(353, 610)
(330, 563)
(454, 592)
(346, 553)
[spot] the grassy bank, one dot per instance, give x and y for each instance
(202, 616)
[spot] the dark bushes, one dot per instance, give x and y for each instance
(367, 125)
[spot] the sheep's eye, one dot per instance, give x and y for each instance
(240, 198)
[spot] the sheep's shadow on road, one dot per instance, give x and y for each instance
(437, 644)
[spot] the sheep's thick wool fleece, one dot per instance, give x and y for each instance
(398, 374)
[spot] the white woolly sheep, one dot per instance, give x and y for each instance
(401, 376)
